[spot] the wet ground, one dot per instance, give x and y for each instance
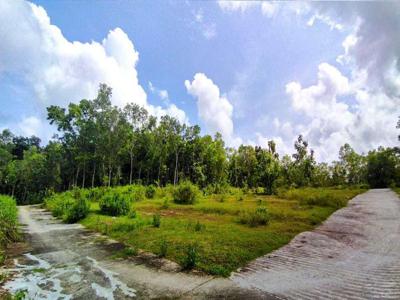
(66, 261)
(355, 254)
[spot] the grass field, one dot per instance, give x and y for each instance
(211, 231)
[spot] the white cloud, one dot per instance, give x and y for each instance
(329, 122)
(267, 8)
(214, 109)
(207, 29)
(30, 126)
(60, 71)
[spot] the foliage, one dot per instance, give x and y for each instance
(150, 191)
(8, 223)
(67, 206)
(383, 168)
(335, 198)
(99, 145)
(191, 256)
(114, 204)
(157, 220)
(186, 193)
(225, 243)
(163, 248)
(255, 218)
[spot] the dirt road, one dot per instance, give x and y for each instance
(355, 254)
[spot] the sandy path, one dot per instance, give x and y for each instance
(69, 262)
(355, 254)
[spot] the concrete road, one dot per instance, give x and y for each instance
(355, 254)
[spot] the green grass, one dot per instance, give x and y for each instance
(8, 224)
(222, 243)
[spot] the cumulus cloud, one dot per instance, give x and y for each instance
(60, 71)
(214, 109)
(329, 121)
(360, 108)
(373, 46)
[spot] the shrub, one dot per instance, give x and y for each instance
(185, 193)
(8, 222)
(191, 257)
(163, 249)
(255, 218)
(138, 194)
(68, 208)
(156, 220)
(114, 204)
(150, 191)
(78, 210)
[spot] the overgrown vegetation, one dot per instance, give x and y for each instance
(227, 233)
(8, 224)
(69, 206)
(186, 193)
(114, 204)
(335, 198)
(99, 145)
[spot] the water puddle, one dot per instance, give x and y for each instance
(42, 280)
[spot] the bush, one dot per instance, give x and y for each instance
(186, 193)
(163, 249)
(256, 218)
(8, 222)
(68, 208)
(191, 257)
(78, 210)
(150, 191)
(114, 204)
(156, 220)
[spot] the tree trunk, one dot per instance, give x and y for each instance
(76, 178)
(176, 167)
(84, 174)
(130, 173)
(93, 174)
(109, 175)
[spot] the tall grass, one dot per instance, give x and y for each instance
(8, 223)
(325, 197)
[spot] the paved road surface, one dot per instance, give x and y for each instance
(355, 254)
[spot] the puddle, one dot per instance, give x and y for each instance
(42, 280)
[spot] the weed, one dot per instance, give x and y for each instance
(163, 248)
(199, 226)
(156, 220)
(255, 218)
(191, 257)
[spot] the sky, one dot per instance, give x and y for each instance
(253, 71)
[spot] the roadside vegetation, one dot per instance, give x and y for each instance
(215, 233)
(8, 224)
(161, 186)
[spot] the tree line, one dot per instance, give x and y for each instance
(99, 144)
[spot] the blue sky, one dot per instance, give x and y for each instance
(248, 53)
